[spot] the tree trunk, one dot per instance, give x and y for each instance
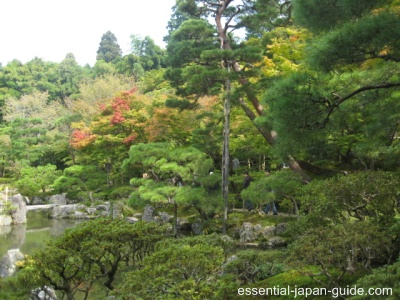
(175, 219)
(225, 152)
(294, 205)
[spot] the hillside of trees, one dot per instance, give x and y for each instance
(308, 90)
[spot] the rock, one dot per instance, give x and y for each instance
(184, 224)
(63, 211)
(281, 228)
(85, 210)
(276, 241)
(131, 219)
(8, 262)
(37, 201)
(91, 210)
(249, 245)
(269, 231)
(81, 207)
(104, 214)
(102, 207)
(117, 210)
(164, 217)
(247, 233)
(79, 215)
(19, 215)
(148, 213)
(44, 293)
(59, 199)
(197, 227)
(26, 200)
(5, 220)
(257, 229)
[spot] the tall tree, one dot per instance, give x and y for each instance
(197, 47)
(69, 74)
(109, 48)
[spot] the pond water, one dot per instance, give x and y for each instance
(33, 235)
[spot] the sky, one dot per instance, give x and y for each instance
(50, 29)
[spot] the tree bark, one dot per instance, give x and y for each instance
(175, 219)
(225, 153)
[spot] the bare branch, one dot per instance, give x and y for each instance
(230, 19)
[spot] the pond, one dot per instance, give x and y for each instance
(33, 235)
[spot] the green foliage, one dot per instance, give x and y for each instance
(175, 272)
(342, 249)
(17, 79)
(150, 55)
(121, 192)
(178, 176)
(250, 266)
(289, 278)
(258, 193)
(102, 68)
(8, 208)
(69, 75)
(109, 48)
(26, 141)
(92, 252)
(334, 102)
(94, 92)
(226, 243)
(382, 279)
(323, 15)
(304, 119)
(347, 227)
(129, 65)
(35, 180)
(162, 162)
(363, 196)
(79, 178)
(194, 41)
(373, 37)
(330, 115)
(274, 187)
(170, 176)
(153, 82)
(264, 15)
(188, 42)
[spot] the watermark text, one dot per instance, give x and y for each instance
(296, 291)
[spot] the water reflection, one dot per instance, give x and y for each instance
(33, 235)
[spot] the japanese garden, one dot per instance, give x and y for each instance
(258, 151)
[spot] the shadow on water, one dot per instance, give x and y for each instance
(33, 235)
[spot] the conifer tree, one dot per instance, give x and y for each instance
(109, 48)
